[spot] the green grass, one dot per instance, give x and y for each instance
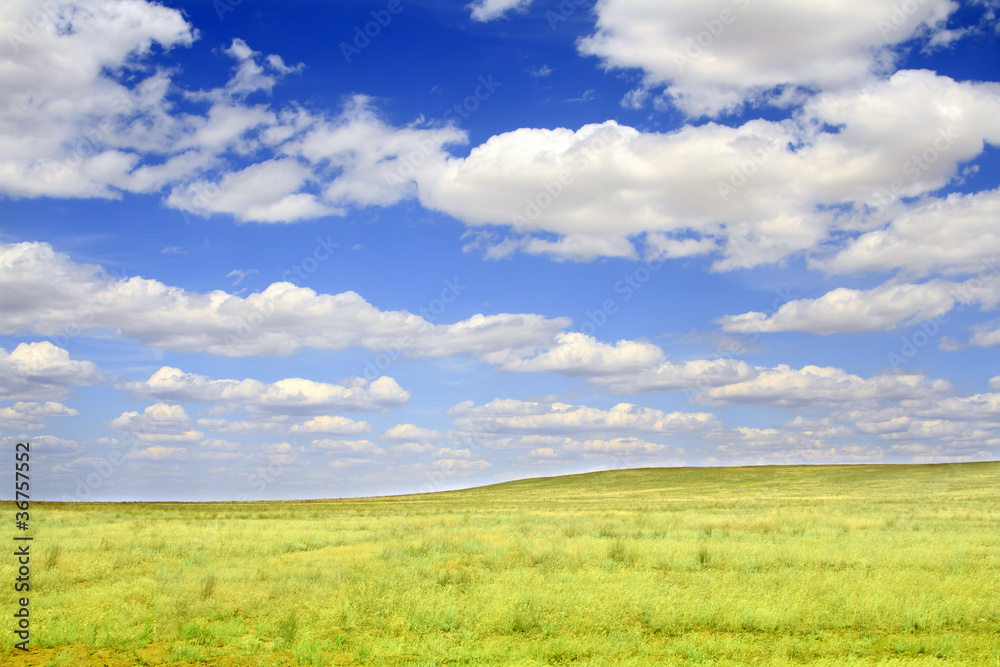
(721, 566)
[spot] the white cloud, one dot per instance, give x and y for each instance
(158, 423)
(448, 452)
(986, 334)
(713, 56)
(629, 367)
(758, 193)
(488, 10)
(412, 448)
(72, 129)
(956, 234)
(948, 344)
(50, 444)
(362, 160)
(47, 293)
(30, 415)
(260, 424)
(579, 354)
(355, 447)
(885, 307)
(460, 467)
(599, 190)
(332, 425)
(983, 409)
(815, 386)
(627, 451)
(411, 432)
(42, 372)
(55, 65)
(159, 453)
(288, 396)
(264, 192)
(745, 445)
(351, 462)
(530, 417)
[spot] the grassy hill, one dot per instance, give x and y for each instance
(759, 565)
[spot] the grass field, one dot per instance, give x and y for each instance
(765, 565)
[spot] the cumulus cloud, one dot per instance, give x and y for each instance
(73, 128)
(159, 453)
(885, 307)
(332, 425)
(159, 422)
(629, 367)
(626, 452)
(746, 445)
(65, 123)
(50, 444)
(579, 354)
(487, 10)
(596, 191)
(816, 386)
(714, 56)
(713, 188)
(531, 417)
(49, 294)
(954, 234)
(264, 192)
(289, 396)
(983, 409)
(30, 415)
(42, 371)
(411, 432)
(260, 424)
(986, 334)
(351, 447)
(461, 467)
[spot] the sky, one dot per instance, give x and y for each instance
(262, 250)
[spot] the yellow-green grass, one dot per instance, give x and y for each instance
(763, 565)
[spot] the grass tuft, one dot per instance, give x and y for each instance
(208, 586)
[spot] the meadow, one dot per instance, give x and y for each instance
(688, 566)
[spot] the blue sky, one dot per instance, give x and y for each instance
(248, 251)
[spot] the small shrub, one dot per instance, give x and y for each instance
(52, 556)
(288, 628)
(186, 653)
(621, 554)
(702, 556)
(207, 586)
